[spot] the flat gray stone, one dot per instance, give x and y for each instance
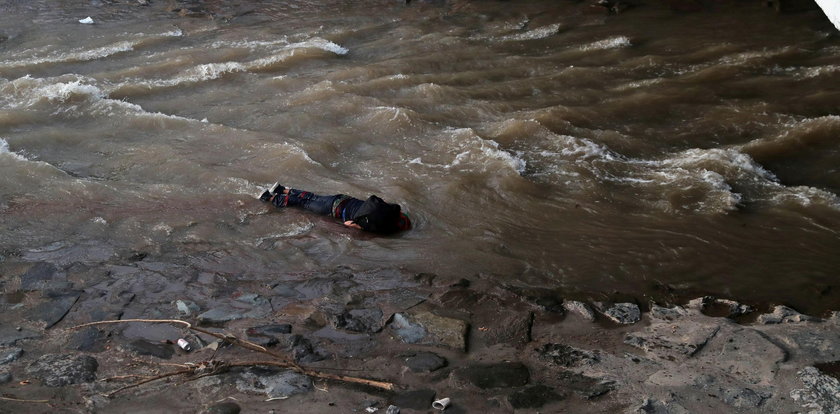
(10, 355)
(745, 354)
(53, 310)
(9, 335)
(58, 370)
(667, 314)
(623, 313)
(43, 276)
(671, 341)
(220, 315)
(273, 383)
(425, 362)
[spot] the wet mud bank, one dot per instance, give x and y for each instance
(485, 346)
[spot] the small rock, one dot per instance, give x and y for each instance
(392, 409)
(186, 307)
(712, 306)
(415, 400)
(10, 355)
(425, 362)
(579, 308)
(223, 408)
(743, 397)
(220, 315)
(58, 370)
(143, 347)
(500, 375)
(533, 397)
(783, 314)
(667, 314)
(358, 320)
(273, 383)
(566, 356)
(624, 313)
(303, 350)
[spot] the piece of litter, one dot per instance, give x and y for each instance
(277, 398)
(86, 20)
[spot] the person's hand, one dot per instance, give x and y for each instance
(351, 224)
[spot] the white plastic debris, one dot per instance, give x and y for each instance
(86, 20)
(442, 403)
(184, 344)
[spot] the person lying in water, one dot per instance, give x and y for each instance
(373, 215)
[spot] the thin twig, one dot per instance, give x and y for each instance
(22, 400)
(147, 380)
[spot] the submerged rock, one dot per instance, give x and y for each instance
(9, 335)
(358, 320)
(58, 370)
(268, 335)
(653, 406)
(44, 276)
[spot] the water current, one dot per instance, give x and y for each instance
(644, 154)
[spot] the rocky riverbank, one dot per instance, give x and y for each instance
(486, 347)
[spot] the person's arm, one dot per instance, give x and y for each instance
(351, 224)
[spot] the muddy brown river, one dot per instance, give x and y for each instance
(651, 154)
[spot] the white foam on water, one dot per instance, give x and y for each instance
(538, 33)
(615, 42)
(4, 151)
(99, 220)
(74, 56)
(817, 71)
(474, 150)
(210, 71)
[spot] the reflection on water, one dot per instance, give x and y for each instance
(533, 143)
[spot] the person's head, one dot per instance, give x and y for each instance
(403, 222)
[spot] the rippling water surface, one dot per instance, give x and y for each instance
(646, 153)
